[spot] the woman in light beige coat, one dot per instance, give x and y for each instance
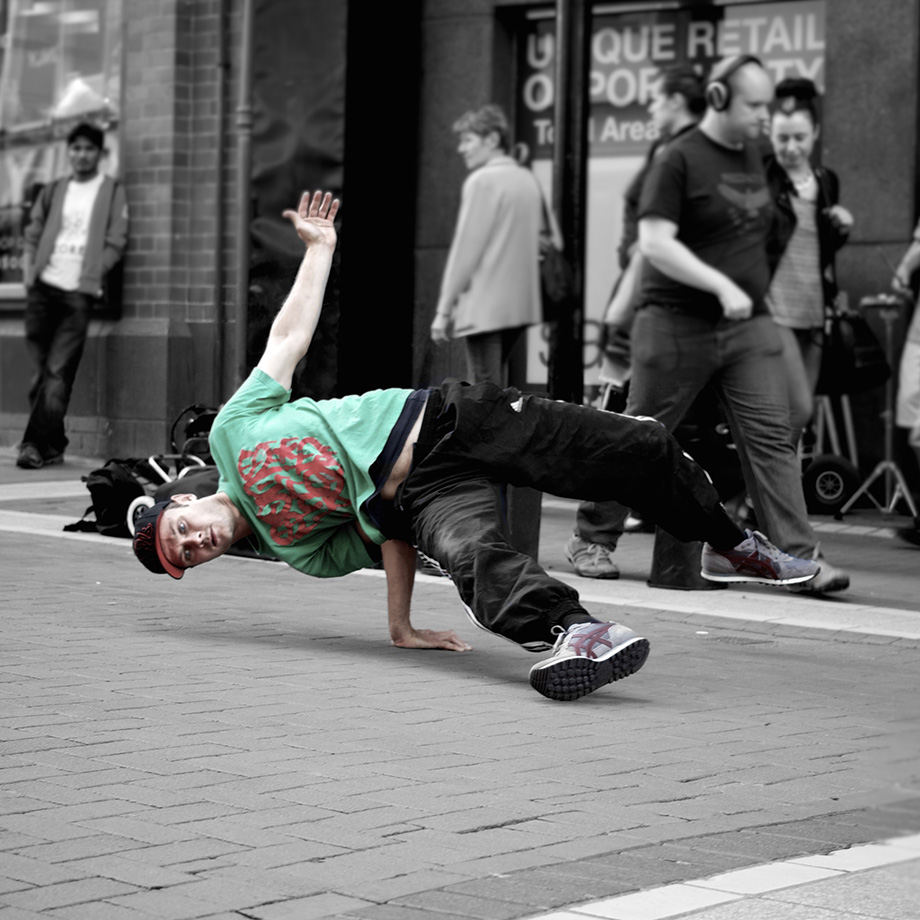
(490, 291)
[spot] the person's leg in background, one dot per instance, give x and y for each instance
(40, 327)
(754, 396)
(912, 534)
(61, 367)
(56, 324)
(484, 357)
(598, 528)
(907, 415)
(811, 345)
(802, 360)
(488, 354)
(672, 358)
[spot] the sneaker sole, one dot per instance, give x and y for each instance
(759, 579)
(575, 677)
(840, 583)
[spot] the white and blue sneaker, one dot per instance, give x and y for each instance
(588, 656)
(757, 560)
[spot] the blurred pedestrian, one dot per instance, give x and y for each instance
(76, 233)
(704, 217)
(330, 486)
(809, 228)
(490, 292)
(676, 106)
(907, 410)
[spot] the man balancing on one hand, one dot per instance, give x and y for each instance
(330, 486)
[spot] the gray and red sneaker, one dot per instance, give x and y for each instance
(756, 559)
(588, 656)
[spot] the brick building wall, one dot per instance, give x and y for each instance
(177, 161)
(178, 168)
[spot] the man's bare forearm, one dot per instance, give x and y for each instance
(399, 560)
(292, 331)
(659, 244)
(675, 260)
(298, 317)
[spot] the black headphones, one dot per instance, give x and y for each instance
(718, 87)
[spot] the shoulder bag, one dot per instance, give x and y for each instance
(853, 359)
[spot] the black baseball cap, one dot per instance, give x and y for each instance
(148, 544)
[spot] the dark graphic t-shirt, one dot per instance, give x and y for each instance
(719, 199)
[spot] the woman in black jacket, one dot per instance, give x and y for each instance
(810, 226)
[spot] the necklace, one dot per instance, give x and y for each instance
(804, 183)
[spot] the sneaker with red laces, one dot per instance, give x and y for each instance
(588, 656)
(757, 560)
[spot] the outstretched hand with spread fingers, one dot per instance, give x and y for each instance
(313, 219)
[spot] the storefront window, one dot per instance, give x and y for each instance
(60, 63)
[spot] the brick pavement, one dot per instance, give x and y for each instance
(875, 881)
(249, 745)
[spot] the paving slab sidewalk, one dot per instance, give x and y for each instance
(248, 744)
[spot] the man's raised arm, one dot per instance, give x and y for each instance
(293, 328)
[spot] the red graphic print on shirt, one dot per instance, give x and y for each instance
(295, 483)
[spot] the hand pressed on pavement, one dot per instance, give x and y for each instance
(445, 639)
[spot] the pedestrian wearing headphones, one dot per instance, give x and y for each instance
(704, 218)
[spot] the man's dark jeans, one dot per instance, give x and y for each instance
(56, 325)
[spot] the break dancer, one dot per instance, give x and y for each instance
(331, 486)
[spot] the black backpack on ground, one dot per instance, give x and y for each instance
(113, 487)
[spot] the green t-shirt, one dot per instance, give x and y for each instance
(298, 471)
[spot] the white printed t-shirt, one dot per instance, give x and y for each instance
(66, 262)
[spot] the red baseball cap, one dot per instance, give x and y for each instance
(148, 541)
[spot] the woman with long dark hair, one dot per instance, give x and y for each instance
(810, 227)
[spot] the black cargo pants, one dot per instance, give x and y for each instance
(477, 439)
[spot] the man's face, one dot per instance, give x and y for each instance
(658, 109)
(84, 158)
(663, 110)
(195, 530)
(475, 149)
(748, 114)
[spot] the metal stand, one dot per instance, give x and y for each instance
(895, 484)
(825, 426)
